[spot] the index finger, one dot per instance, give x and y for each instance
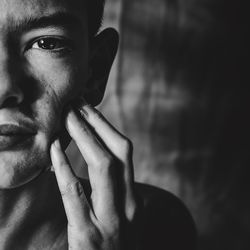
(74, 200)
(117, 143)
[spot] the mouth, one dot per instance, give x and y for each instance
(15, 135)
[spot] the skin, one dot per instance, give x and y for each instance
(27, 78)
(44, 70)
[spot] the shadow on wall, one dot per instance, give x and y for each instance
(184, 95)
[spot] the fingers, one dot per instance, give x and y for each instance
(120, 147)
(118, 144)
(75, 203)
(105, 150)
(100, 166)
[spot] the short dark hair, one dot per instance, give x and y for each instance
(95, 10)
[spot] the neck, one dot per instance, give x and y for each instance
(30, 210)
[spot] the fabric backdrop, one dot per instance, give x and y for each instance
(179, 90)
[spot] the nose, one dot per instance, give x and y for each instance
(10, 92)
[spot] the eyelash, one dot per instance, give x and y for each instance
(61, 44)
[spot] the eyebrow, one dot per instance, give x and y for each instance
(63, 19)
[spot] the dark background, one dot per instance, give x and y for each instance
(180, 90)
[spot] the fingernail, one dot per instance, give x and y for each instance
(71, 116)
(70, 120)
(83, 112)
(81, 105)
(57, 144)
(55, 150)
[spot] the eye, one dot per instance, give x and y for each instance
(51, 44)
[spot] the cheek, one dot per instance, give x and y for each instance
(61, 80)
(65, 77)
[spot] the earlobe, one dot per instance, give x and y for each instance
(103, 51)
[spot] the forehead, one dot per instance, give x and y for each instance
(17, 10)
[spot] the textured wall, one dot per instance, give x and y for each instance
(179, 89)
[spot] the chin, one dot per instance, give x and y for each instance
(17, 168)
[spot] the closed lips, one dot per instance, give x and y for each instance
(13, 129)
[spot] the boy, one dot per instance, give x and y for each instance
(53, 71)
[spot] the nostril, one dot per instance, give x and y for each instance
(11, 101)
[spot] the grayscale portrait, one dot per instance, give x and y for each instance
(124, 125)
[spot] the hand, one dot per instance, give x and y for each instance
(103, 221)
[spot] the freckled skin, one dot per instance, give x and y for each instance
(57, 79)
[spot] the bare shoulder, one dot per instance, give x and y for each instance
(165, 221)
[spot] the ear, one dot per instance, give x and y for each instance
(103, 51)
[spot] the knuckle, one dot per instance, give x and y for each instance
(73, 188)
(64, 165)
(126, 146)
(96, 236)
(116, 225)
(87, 236)
(112, 230)
(108, 161)
(130, 213)
(91, 232)
(131, 210)
(104, 163)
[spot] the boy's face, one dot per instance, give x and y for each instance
(43, 66)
